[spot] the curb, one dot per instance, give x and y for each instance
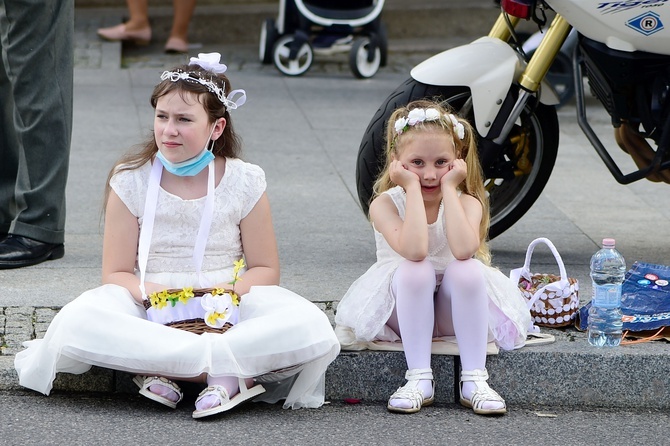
(567, 373)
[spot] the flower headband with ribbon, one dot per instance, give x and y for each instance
(210, 62)
(419, 115)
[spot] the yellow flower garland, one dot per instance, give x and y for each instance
(160, 299)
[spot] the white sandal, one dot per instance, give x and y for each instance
(412, 393)
(225, 402)
(144, 382)
(482, 394)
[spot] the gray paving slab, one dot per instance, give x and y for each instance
(305, 133)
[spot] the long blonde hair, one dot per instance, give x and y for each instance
(465, 148)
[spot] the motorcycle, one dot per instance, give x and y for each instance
(622, 48)
(560, 74)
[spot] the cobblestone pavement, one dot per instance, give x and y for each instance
(19, 324)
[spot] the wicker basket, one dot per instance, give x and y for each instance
(550, 309)
(197, 323)
(553, 300)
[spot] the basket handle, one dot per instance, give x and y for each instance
(524, 271)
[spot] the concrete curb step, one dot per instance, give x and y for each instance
(566, 373)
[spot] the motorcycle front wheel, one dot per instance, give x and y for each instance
(530, 151)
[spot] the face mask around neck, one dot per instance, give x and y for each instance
(190, 167)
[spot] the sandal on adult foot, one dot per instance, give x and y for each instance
(145, 383)
(140, 37)
(176, 45)
(225, 401)
(483, 393)
(412, 393)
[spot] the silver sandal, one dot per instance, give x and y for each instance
(411, 392)
(482, 394)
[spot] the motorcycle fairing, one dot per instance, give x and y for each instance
(613, 22)
(488, 67)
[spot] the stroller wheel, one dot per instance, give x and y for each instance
(268, 38)
(364, 58)
(292, 56)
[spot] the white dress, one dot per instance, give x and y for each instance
(282, 339)
(368, 303)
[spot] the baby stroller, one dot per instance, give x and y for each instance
(308, 27)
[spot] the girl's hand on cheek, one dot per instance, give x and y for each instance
(457, 173)
(401, 176)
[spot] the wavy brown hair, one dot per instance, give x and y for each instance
(465, 148)
(228, 145)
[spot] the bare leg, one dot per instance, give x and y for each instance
(139, 15)
(178, 41)
(183, 11)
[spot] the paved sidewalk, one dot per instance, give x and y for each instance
(305, 133)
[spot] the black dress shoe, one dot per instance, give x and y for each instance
(17, 251)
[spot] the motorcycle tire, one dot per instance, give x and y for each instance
(509, 199)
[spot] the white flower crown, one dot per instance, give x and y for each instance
(210, 62)
(418, 115)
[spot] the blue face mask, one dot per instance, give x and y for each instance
(190, 167)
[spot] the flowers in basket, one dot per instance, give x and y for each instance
(161, 299)
(222, 306)
(215, 307)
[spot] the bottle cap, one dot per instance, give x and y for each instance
(608, 243)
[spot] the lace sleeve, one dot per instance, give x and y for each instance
(130, 186)
(253, 185)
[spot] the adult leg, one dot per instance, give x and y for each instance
(413, 287)
(139, 15)
(9, 143)
(462, 310)
(183, 11)
(39, 40)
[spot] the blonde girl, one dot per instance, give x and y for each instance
(432, 278)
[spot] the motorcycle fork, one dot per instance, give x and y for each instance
(529, 83)
(531, 78)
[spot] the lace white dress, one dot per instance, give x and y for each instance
(282, 339)
(368, 303)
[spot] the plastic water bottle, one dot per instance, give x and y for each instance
(608, 269)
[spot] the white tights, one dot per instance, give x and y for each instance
(459, 308)
(231, 384)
